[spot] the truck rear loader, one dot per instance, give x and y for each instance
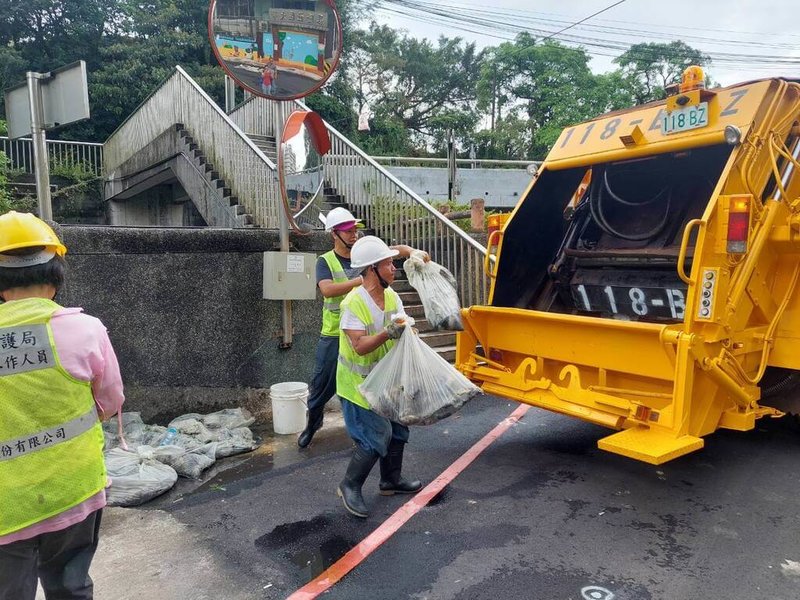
(647, 279)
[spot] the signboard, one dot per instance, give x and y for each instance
(65, 99)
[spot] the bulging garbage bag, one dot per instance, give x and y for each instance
(413, 385)
(436, 287)
(136, 477)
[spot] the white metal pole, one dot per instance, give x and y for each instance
(41, 166)
(230, 94)
(286, 309)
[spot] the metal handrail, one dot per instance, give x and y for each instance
(249, 173)
(391, 209)
(471, 162)
(86, 155)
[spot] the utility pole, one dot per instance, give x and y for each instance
(451, 164)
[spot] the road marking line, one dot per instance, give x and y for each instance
(356, 555)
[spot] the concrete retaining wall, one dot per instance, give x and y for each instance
(184, 311)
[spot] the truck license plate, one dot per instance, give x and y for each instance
(684, 119)
(645, 303)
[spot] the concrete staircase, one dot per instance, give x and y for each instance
(267, 144)
(444, 342)
(212, 176)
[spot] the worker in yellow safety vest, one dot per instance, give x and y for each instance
(367, 335)
(335, 278)
(58, 376)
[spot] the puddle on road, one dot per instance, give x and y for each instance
(275, 452)
(305, 545)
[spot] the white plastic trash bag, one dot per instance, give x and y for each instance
(187, 463)
(436, 287)
(136, 478)
(413, 385)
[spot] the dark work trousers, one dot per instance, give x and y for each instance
(60, 559)
(371, 431)
(323, 382)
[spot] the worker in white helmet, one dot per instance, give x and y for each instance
(367, 335)
(335, 278)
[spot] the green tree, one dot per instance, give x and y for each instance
(544, 84)
(416, 82)
(648, 68)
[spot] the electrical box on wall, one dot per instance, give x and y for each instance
(290, 276)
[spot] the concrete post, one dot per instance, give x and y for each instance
(477, 214)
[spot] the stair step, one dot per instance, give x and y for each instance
(447, 352)
(401, 285)
(415, 310)
(233, 200)
(438, 339)
(408, 297)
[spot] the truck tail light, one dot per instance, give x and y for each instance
(738, 224)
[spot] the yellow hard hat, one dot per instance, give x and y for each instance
(24, 230)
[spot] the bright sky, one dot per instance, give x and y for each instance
(747, 39)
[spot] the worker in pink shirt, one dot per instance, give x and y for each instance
(58, 378)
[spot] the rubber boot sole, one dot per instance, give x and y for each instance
(348, 509)
(393, 492)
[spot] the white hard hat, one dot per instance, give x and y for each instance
(370, 250)
(338, 216)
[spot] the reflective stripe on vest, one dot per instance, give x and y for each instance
(41, 440)
(331, 306)
(353, 368)
(51, 453)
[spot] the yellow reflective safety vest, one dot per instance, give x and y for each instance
(353, 368)
(331, 306)
(51, 443)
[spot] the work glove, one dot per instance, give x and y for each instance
(395, 330)
(420, 255)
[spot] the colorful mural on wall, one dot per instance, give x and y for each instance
(231, 48)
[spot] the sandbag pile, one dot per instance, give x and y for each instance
(146, 468)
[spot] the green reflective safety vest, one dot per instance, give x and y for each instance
(331, 306)
(51, 443)
(353, 368)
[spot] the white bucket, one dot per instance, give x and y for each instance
(288, 406)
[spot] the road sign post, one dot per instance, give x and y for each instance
(46, 101)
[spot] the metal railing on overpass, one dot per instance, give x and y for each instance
(84, 155)
(389, 207)
(249, 173)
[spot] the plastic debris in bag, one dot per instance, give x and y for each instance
(437, 290)
(413, 385)
(227, 427)
(136, 477)
(187, 463)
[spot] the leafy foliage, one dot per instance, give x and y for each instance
(648, 68)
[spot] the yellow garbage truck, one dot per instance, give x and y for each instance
(647, 279)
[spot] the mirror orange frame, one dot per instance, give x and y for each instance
(250, 88)
(322, 144)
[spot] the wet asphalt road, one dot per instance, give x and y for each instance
(542, 514)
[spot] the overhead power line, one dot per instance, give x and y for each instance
(583, 20)
(505, 24)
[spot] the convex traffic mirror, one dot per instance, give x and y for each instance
(301, 166)
(278, 49)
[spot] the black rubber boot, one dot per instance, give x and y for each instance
(349, 491)
(313, 424)
(391, 465)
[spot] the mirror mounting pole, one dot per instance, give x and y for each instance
(286, 308)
